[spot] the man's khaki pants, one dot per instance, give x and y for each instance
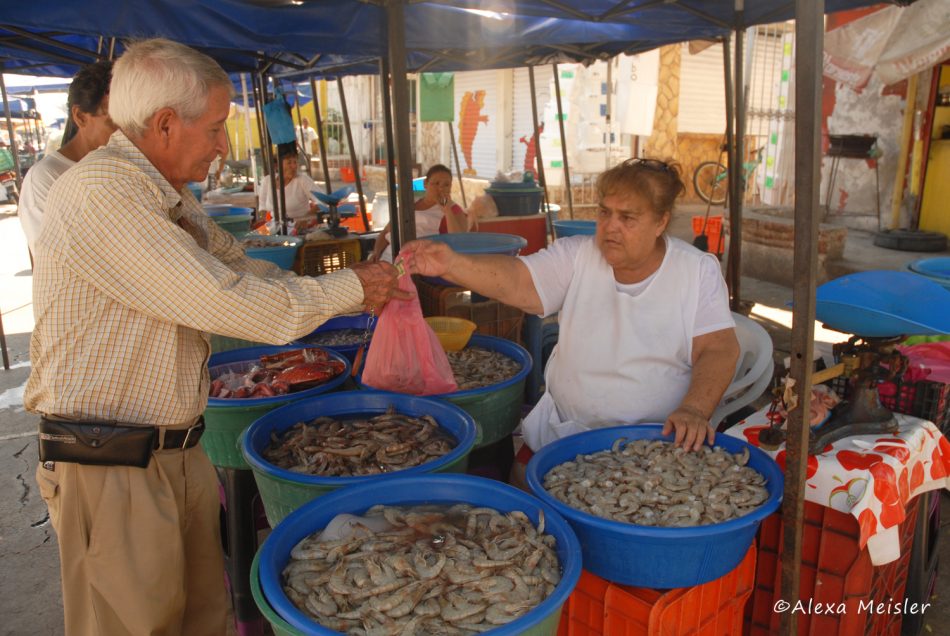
(140, 548)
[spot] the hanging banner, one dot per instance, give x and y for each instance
(634, 91)
(437, 97)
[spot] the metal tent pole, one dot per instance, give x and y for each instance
(560, 123)
(458, 166)
(321, 139)
(734, 246)
(738, 183)
(809, 32)
(390, 144)
(353, 160)
(395, 12)
(303, 138)
(249, 146)
(10, 131)
(266, 151)
(537, 150)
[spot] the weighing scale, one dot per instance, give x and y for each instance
(881, 308)
(329, 205)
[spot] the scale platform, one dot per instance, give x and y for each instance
(884, 304)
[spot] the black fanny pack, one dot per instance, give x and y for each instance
(96, 443)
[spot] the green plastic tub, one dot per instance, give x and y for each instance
(274, 554)
(279, 625)
(234, 219)
(496, 408)
(226, 420)
(283, 491)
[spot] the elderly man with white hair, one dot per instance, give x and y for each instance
(130, 277)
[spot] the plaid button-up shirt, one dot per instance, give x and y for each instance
(129, 279)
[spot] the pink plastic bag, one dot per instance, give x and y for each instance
(405, 355)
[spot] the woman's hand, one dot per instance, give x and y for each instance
(429, 258)
(691, 428)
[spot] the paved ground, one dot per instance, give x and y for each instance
(30, 600)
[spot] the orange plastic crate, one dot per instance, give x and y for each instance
(600, 607)
(833, 570)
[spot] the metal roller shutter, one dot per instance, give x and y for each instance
(702, 92)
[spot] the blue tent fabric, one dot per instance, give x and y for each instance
(332, 37)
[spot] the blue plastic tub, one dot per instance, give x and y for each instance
(936, 269)
(195, 190)
(226, 420)
(281, 253)
(884, 303)
(357, 321)
(477, 243)
(647, 556)
(234, 219)
(496, 408)
(428, 489)
(283, 491)
(569, 227)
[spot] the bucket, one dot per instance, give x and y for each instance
(283, 491)
(356, 321)
(279, 626)
(713, 232)
(936, 269)
(496, 408)
(226, 420)
(655, 557)
(281, 253)
(573, 227)
(234, 219)
(427, 489)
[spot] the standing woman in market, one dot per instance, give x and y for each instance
(436, 212)
(130, 278)
(645, 330)
(298, 191)
(88, 126)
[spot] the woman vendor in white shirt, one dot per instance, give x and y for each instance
(645, 330)
(436, 212)
(298, 191)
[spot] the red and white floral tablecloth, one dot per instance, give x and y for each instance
(871, 477)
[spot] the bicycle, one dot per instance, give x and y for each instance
(711, 178)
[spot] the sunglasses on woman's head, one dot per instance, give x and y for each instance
(650, 164)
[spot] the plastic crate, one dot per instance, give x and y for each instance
(316, 258)
(714, 235)
(834, 570)
(491, 317)
(924, 399)
(598, 606)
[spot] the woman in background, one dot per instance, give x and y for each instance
(436, 212)
(88, 126)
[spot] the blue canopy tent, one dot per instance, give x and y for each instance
(308, 38)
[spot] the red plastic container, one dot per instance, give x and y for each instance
(833, 571)
(713, 232)
(599, 607)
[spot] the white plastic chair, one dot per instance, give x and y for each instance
(753, 369)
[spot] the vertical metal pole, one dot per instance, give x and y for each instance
(737, 183)
(10, 131)
(266, 149)
(394, 229)
(560, 123)
(809, 26)
(303, 138)
(3, 343)
(607, 113)
(395, 12)
(732, 274)
(537, 148)
(458, 166)
(321, 138)
(261, 128)
(249, 146)
(353, 160)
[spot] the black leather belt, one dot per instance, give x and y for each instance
(182, 438)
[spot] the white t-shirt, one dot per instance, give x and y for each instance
(553, 268)
(298, 195)
(36, 186)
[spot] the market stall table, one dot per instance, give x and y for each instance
(871, 477)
